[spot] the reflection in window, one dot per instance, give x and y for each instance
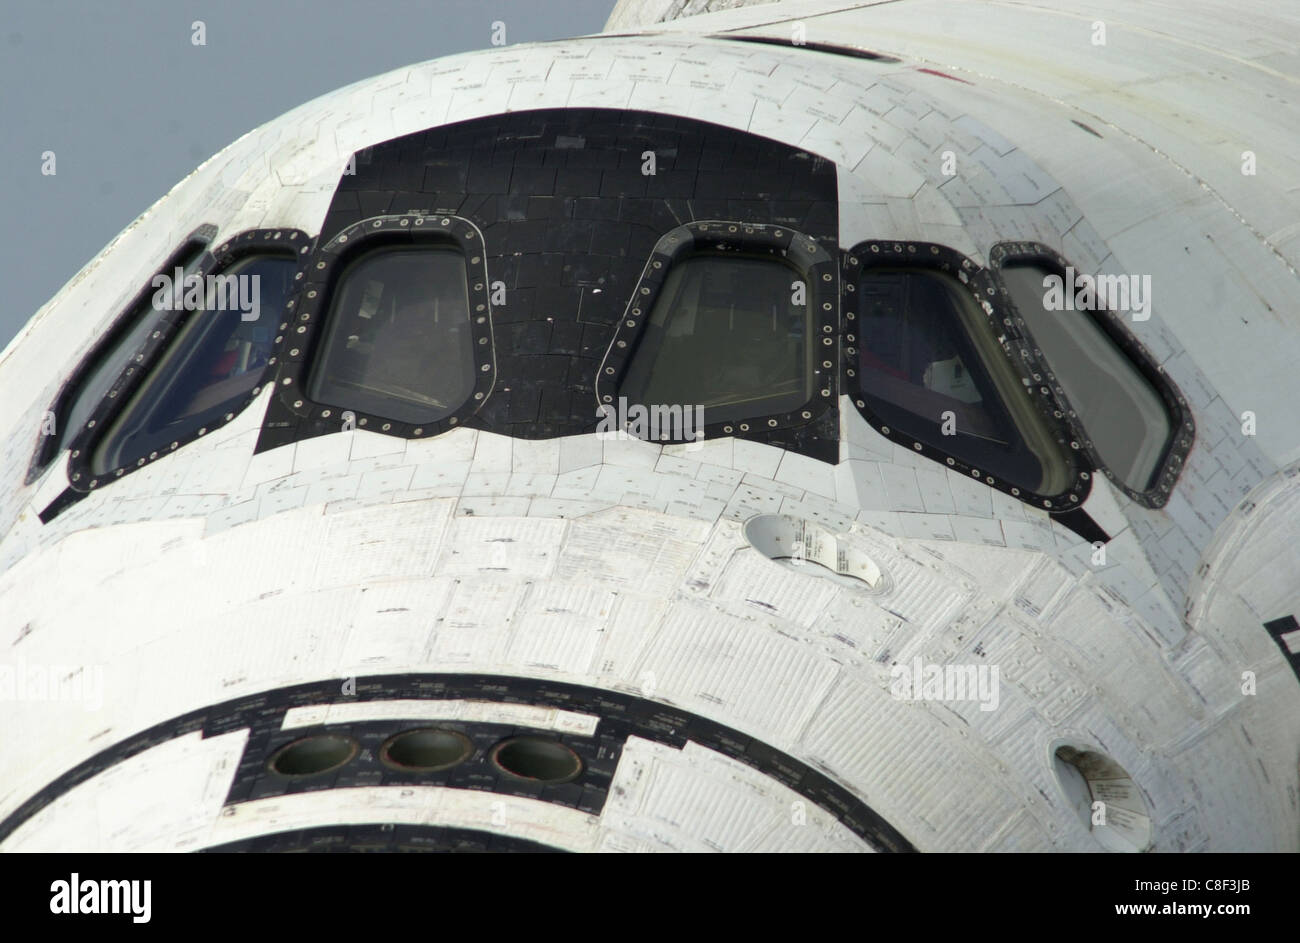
(926, 351)
(398, 342)
(210, 367)
(725, 333)
(1124, 415)
(110, 363)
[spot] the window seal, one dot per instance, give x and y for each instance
(307, 321)
(982, 286)
(1174, 456)
(784, 245)
(48, 447)
(81, 475)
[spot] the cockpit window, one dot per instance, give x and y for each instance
(398, 339)
(1125, 417)
(929, 367)
(133, 332)
(731, 333)
(209, 368)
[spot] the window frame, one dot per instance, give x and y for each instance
(305, 329)
(785, 246)
(49, 447)
(984, 289)
(81, 475)
(186, 336)
(1173, 457)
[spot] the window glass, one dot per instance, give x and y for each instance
(110, 363)
(725, 333)
(210, 366)
(398, 342)
(1123, 413)
(928, 362)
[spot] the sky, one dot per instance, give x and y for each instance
(129, 105)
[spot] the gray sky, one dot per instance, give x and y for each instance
(129, 106)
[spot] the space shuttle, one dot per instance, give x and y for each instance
(787, 426)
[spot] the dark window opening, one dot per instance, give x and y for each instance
(209, 368)
(1124, 415)
(398, 340)
(117, 353)
(726, 333)
(928, 365)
